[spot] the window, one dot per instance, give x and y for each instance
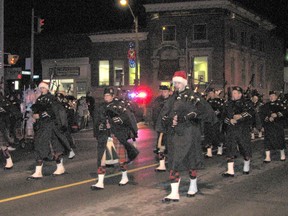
(118, 72)
(233, 70)
(261, 46)
(252, 71)
(253, 42)
(261, 75)
(243, 38)
(233, 35)
(132, 74)
(200, 69)
(200, 32)
(243, 71)
(169, 33)
(104, 73)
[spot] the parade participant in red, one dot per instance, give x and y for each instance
(182, 114)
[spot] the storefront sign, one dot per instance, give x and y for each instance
(64, 71)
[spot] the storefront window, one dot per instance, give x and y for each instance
(64, 86)
(118, 72)
(132, 74)
(104, 73)
(81, 89)
(200, 69)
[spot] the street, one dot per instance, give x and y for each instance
(263, 192)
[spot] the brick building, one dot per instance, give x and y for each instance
(215, 40)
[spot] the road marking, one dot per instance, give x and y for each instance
(71, 185)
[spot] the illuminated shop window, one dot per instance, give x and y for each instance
(64, 86)
(118, 72)
(168, 33)
(132, 74)
(104, 73)
(200, 69)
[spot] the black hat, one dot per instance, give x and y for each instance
(237, 88)
(272, 92)
(109, 90)
(163, 87)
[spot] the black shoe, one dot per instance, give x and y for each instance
(8, 168)
(30, 178)
(190, 195)
(227, 175)
(95, 188)
(159, 170)
(266, 161)
(207, 157)
(168, 200)
(245, 173)
(123, 184)
(156, 151)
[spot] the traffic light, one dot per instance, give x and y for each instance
(40, 24)
(12, 59)
(19, 76)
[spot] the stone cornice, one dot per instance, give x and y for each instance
(209, 4)
(117, 37)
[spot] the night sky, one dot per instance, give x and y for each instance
(83, 16)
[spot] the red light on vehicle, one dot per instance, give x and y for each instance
(142, 95)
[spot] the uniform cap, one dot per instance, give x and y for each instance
(272, 92)
(237, 88)
(164, 87)
(109, 90)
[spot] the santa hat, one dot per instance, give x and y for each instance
(180, 76)
(44, 85)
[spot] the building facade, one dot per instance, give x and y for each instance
(213, 40)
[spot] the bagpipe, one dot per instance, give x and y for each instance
(115, 113)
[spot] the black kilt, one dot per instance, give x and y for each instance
(184, 150)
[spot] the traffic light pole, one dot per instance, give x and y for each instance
(32, 46)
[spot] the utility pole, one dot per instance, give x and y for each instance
(2, 80)
(32, 46)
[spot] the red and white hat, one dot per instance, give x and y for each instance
(180, 76)
(44, 85)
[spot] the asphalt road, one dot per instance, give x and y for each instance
(262, 192)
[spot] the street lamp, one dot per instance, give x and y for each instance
(126, 3)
